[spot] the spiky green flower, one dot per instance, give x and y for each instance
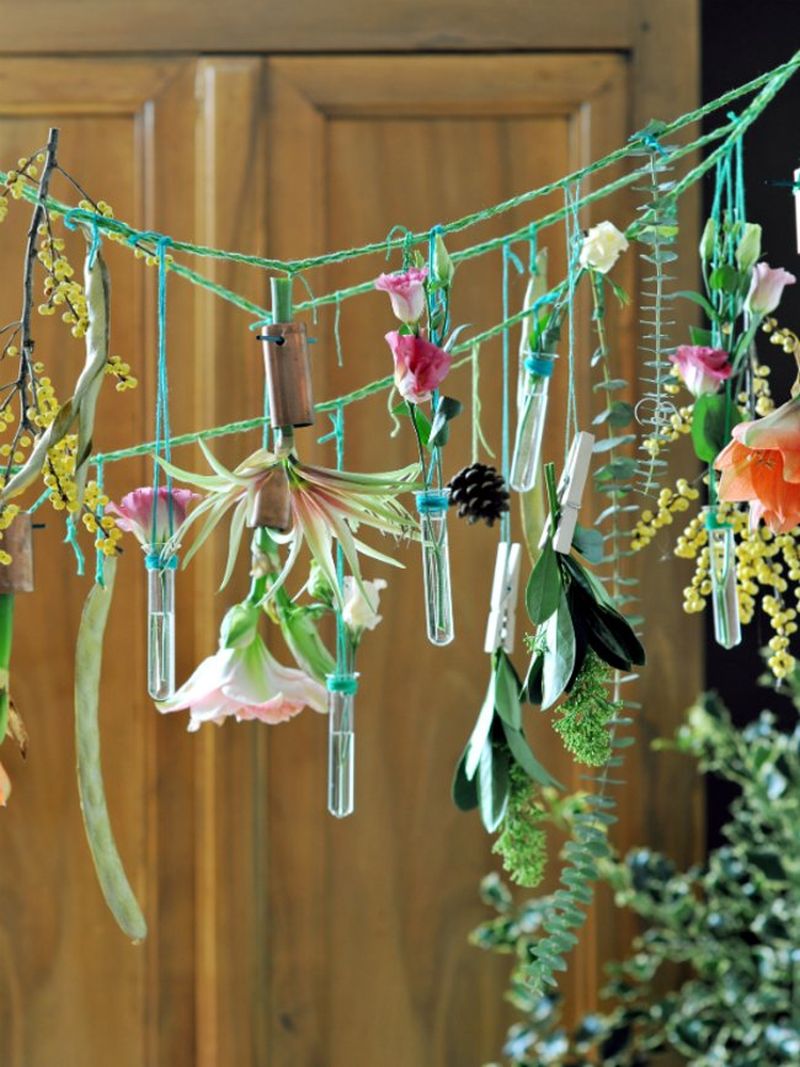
(586, 714)
(522, 843)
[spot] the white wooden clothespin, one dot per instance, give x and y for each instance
(503, 610)
(796, 187)
(570, 492)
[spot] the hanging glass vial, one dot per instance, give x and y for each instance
(724, 594)
(160, 622)
(341, 743)
(432, 506)
(530, 423)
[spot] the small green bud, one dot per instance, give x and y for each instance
(319, 588)
(443, 268)
(748, 250)
(707, 241)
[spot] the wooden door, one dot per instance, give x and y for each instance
(277, 935)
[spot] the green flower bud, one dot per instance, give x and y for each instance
(748, 249)
(443, 267)
(707, 241)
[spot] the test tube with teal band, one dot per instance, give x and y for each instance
(432, 505)
(160, 623)
(530, 425)
(724, 592)
(341, 743)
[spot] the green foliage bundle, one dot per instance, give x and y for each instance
(733, 923)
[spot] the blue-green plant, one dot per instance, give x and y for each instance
(733, 924)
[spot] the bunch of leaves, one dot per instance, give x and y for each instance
(496, 746)
(733, 922)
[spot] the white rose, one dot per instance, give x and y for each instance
(360, 610)
(602, 246)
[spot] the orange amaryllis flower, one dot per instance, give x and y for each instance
(761, 465)
(326, 505)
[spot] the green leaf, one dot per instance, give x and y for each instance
(606, 444)
(507, 691)
(724, 279)
(481, 730)
(712, 420)
(618, 413)
(697, 298)
(559, 656)
(618, 469)
(533, 681)
(609, 386)
(88, 662)
(545, 586)
(447, 408)
(523, 755)
(403, 410)
(699, 336)
(494, 784)
(589, 542)
(464, 790)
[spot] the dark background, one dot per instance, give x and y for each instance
(742, 39)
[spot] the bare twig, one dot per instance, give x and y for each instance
(27, 344)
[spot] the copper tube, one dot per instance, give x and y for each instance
(272, 504)
(17, 576)
(288, 374)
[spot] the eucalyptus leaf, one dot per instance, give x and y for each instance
(494, 784)
(464, 790)
(589, 542)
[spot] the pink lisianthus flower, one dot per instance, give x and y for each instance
(761, 465)
(766, 288)
(5, 786)
(245, 682)
(419, 366)
(701, 369)
(406, 291)
(135, 513)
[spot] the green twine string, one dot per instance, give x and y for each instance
(162, 427)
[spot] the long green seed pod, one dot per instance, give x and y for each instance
(88, 663)
(6, 633)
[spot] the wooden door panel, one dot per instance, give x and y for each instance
(392, 891)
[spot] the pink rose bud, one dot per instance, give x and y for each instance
(701, 369)
(135, 513)
(766, 288)
(406, 291)
(419, 366)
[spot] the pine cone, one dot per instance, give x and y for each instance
(479, 492)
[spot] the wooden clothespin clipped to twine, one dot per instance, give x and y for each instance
(503, 610)
(570, 493)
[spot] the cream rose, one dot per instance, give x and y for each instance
(360, 610)
(602, 246)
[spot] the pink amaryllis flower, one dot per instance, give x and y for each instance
(761, 465)
(766, 288)
(701, 369)
(246, 683)
(135, 513)
(326, 506)
(406, 291)
(419, 365)
(5, 786)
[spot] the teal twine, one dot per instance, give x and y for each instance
(432, 501)
(505, 435)
(573, 235)
(342, 658)
(154, 561)
(99, 559)
(72, 540)
(162, 428)
(39, 501)
(540, 365)
(342, 683)
(77, 216)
